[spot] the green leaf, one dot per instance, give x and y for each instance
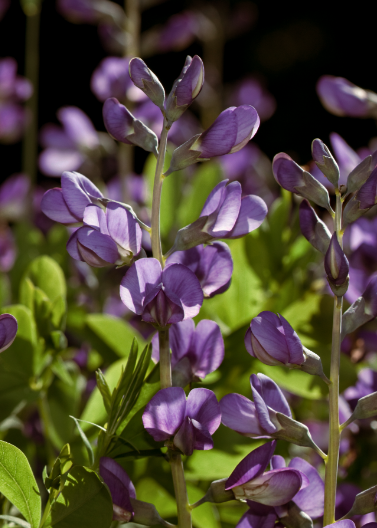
(115, 332)
(204, 516)
(46, 274)
(148, 490)
(84, 501)
(85, 440)
(104, 390)
(15, 520)
(17, 483)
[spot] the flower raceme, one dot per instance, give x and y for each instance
(184, 425)
(196, 352)
(161, 296)
(226, 214)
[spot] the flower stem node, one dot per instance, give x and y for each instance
(325, 161)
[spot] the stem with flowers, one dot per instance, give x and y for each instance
(184, 513)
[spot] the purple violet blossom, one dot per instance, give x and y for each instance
(161, 296)
(272, 340)
(229, 133)
(108, 237)
(8, 331)
(111, 79)
(8, 249)
(178, 32)
(226, 214)
(314, 230)
(67, 204)
(196, 352)
(258, 419)
(251, 91)
(212, 264)
(91, 12)
(13, 197)
(67, 148)
(185, 425)
(144, 79)
(336, 263)
(340, 97)
(121, 488)
(366, 384)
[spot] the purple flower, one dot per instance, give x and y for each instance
(13, 197)
(161, 296)
(123, 126)
(366, 384)
(12, 86)
(340, 97)
(225, 215)
(212, 264)
(272, 340)
(272, 488)
(251, 91)
(336, 263)
(111, 79)
(89, 12)
(325, 161)
(133, 188)
(67, 205)
(313, 229)
(8, 249)
(196, 352)
(67, 148)
(8, 331)
(346, 523)
(147, 81)
(121, 488)
(14, 120)
(230, 132)
(186, 425)
(107, 237)
(256, 419)
(178, 32)
(186, 88)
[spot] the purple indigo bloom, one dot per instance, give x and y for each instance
(178, 32)
(336, 263)
(187, 424)
(225, 215)
(251, 91)
(196, 352)
(272, 488)
(131, 189)
(256, 419)
(67, 148)
(13, 122)
(111, 79)
(121, 488)
(185, 89)
(272, 340)
(313, 229)
(8, 331)
(325, 161)
(213, 266)
(8, 249)
(13, 197)
(90, 12)
(230, 132)
(340, 97)
(144, 79)
(161, 296)
(67, 205)
(107, 237)
(123, 126)
(346, 523)
(345, 496)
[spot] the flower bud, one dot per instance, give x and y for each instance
(293, 431)
(313, 229)
(147, 81)
(336, 266)
(365, 502)
(185, 89)
(313, 364)
(366, 407)
(325, 161)
(353, 211)
(217, 493)
(364, 309)
(359, 175)
(146, 514)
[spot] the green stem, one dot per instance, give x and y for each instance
(184, 510)
(46, 420)
(165, 361)
(45, 513)
(156, 200)
(333, 454)
(30, 141)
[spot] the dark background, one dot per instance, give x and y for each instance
(289, 48)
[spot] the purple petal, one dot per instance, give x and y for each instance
(346, 523)
(296, 356)
(203, 438)
(96, 249)
(94, 216)
(192, 82)
(140, 72)
(208, 348)
(120, 486)
(220, 137)
(253, 465)
(183, 283)
(215, 199)
(252, 213)
(142, 277)
(367, 194)
(341, 97)
(272, 394)
(77, 190)
(53, 136)
(336, 263)
(202, 406)
(214, 267)
(278, 462)
(254, 520)
(162, 308)
(287, 173)
(118, 120)
(310, 499)
(239, 413)
(78, 127)
(72, 247)
(261, 407)
(185, 437)
(53, 161)
(248, 122)
(8, 331)
(111, 79)
(53, 205)
(181, 335)
(267, 329)
(224, 219)
(164, 414)
(347, 158)
(123, 228)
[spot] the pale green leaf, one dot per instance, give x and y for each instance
(205, 516)
(148, 490)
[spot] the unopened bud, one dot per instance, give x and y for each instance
(146, 514)
(366, 407)
(359, 175)
(313, 364)
(217, 493)
(336, 266)
(365, 502)
(313, 229)
(325, 161)
(147, 81)
(353, 211)
(294, 432)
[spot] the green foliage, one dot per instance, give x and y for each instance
(17, 483)
(149, 490)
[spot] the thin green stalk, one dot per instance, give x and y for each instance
(334, 440)
(184, 510)
(165, 362)
(30, 141)
(156, 200)
(44, 413)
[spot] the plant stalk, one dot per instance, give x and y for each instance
(165, 360)
(334, 440)
(184, 510)
(30, 141)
